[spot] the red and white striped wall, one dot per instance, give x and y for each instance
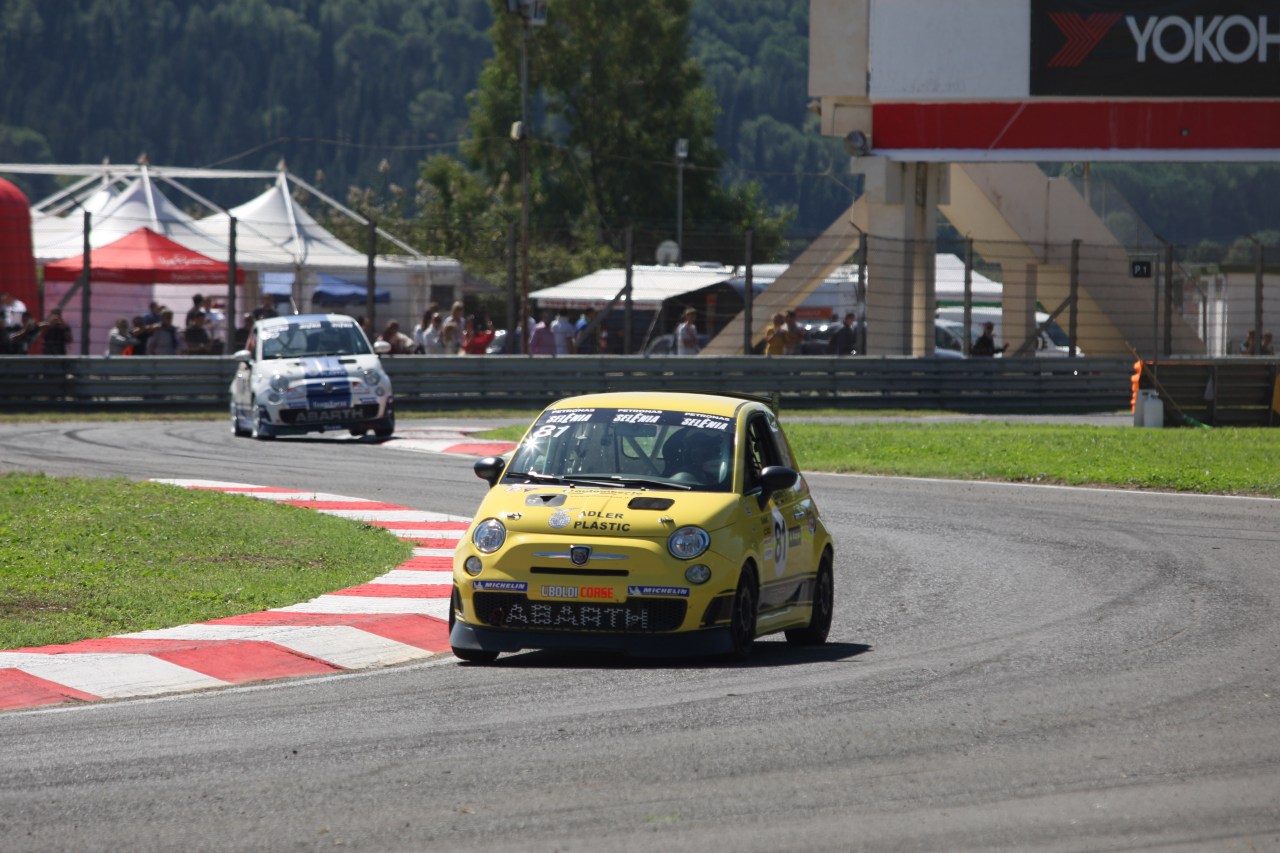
(401, 616)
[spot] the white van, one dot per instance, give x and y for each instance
(1051, 343)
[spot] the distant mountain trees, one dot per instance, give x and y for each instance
(361, 95)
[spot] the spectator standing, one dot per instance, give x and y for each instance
(1266, 347)
(1246, 346)
(139, 331)
(431, 339)
(12, 310)
(55, 334)
(585, 335)
(985, 345)
(452, 328)
(845, 339)
(687, 334)
(563, 331)
(479, 334)
(197, 307)
(794, 334)
(165, 340)
(541, 340)
(195, 337)
(775, 335)
(241, 338)
(28, 332)
(152, 315)
(267, 309)
(120, 340)
(401, 344)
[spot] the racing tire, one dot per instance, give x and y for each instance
(466, 655)
(742, 620)
(824, 599)
(260, 430)
(358, 433)
(385, 427)
(237, 430)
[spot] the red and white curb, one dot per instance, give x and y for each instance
(398, 617)
(448, 440)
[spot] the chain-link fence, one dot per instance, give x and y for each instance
(906, 298)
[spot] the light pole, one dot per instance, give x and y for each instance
(682, 154)
(533, 13)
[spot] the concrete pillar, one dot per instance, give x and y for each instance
(1018, 317)
(902, 204)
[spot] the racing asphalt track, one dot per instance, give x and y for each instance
(1011, 668)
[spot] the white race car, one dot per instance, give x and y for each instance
(310, 373)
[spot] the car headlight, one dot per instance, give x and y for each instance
(372, 377)
(279, 383)
(489, 535)
(688, 542)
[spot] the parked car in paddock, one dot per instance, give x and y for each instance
(310, 373)
(647, 524)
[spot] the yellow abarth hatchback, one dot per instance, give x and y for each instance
(650, 524)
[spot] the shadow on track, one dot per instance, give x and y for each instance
(763, 654)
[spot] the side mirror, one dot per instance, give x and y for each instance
(242, 355)
(775, 478)
(490, 469)
(381, 347)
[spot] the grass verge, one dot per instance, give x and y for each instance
(88, 558)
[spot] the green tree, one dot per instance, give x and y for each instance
(612, 86)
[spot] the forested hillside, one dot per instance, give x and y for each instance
(361, 92)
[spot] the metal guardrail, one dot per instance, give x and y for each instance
(1220, 392)
(70, 383)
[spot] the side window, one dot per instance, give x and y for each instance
(782, 451)
(761, 450)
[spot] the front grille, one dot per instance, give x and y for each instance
(565, 570)
(365, 412)
(636, 616)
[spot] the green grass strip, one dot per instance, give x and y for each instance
(83, 558)
(1218, 461)
(1208, 461)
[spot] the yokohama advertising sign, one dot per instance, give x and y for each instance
(1171, 49)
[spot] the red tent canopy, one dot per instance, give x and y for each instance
(17, 265)
(143, 257)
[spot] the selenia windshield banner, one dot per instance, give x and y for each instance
(1173, 49)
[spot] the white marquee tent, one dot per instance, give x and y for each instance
(274, 234)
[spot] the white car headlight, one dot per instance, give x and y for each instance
(280, 383)
(372, 378)
(688, 542)
(489, 535)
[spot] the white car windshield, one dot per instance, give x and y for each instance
(313, 338)
(627, 448)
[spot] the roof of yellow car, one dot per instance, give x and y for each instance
(693, 401)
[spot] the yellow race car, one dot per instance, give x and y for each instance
(649, 524)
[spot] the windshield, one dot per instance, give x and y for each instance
(313, 338)
(627, 448)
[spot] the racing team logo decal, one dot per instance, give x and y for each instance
(559, 520)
